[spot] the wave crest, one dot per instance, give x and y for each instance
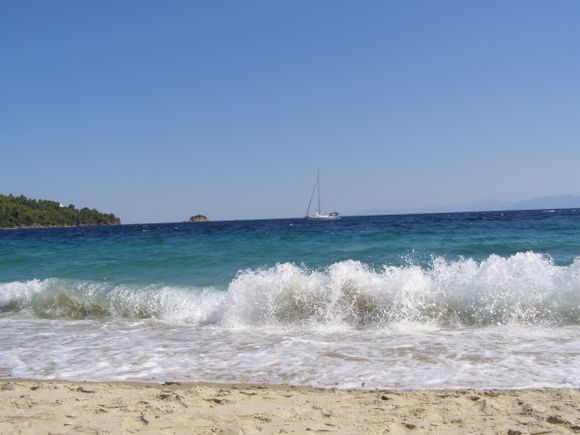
(524, 288)
(58, 298)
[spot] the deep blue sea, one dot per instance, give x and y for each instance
(412, 301)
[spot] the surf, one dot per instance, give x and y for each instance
(525, 288)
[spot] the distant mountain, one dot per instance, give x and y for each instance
(549, 202)
(565, 201)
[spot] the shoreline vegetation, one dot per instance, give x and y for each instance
(28, 406)
(22, 212)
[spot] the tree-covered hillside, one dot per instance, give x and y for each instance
(19, 211)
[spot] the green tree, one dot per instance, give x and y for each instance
(20, 211)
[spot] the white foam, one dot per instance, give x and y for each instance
(499, 357)
(13, 295)
(526, 288)
(523, 288)
(505, 322)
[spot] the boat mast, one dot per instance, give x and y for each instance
(311, 197)
(318, 183)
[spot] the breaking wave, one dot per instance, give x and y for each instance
(526, 288)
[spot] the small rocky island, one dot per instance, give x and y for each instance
(198, 218)
(23, 212)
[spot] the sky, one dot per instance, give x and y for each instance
(157, 110)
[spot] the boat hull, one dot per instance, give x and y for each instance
(323, 218)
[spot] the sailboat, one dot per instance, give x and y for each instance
(318, 215)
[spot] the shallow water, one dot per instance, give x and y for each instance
(437, 301)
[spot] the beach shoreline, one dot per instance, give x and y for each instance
(31, 406)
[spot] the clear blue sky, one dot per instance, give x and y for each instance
(157, 110)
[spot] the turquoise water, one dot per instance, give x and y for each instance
(212, 253)
(442, 300)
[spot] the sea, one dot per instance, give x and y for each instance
(460, 300)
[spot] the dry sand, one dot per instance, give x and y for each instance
(32, 407)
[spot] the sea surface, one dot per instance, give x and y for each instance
(487, 300)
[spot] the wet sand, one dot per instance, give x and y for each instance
(32, 407)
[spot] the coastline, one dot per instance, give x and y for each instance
(34, 227)
(30, 406)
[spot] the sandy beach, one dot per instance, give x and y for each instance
(29, 407)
